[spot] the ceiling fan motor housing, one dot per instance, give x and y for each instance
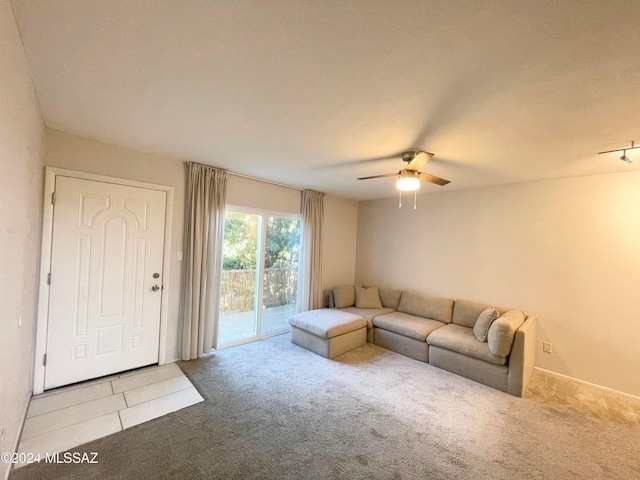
(408, 156)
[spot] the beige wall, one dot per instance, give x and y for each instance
(77, 153)
(339, 243)
(245, 192)
(564, 250)
(21, 163)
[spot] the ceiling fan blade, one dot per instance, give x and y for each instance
(432, 179)
(379, 176)
(419, 161)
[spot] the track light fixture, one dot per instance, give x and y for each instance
(626, 159)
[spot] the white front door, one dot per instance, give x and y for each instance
(106, 280)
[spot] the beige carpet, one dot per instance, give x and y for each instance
(273, 410)
(571, 396)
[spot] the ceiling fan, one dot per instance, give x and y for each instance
(409, 178)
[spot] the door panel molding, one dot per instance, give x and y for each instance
(45, 263)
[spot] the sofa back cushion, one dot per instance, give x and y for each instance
(344, 296)
(503, 331)
(390, 298)
(435, 308)
(368, 297)
(466, 313)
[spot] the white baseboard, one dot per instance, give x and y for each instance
(618, 393)
(17, 442)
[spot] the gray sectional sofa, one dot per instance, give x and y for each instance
(490, 345)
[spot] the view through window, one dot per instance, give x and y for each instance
(259, 275)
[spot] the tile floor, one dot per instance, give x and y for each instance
(68, 417)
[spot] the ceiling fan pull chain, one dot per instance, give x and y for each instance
(400, 203)
(415, 196)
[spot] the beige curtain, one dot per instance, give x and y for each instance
(204, 230)
(310, 288)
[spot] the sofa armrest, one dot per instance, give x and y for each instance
(522, 359)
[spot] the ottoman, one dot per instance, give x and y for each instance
(328, 331)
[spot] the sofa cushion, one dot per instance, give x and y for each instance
(408, 325)
(368, 313)
(390, 298)
(344, 296)
(461, 340)
(466, 313)
(368, 297)
(434, 308)
(484, 321)
(327, 322)
(503, 331)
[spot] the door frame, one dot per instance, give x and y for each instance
(42, 319)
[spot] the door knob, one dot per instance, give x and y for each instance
(155, 288)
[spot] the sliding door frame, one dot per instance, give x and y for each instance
(260, 270)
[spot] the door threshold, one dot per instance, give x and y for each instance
(104, 378)
(249, 340)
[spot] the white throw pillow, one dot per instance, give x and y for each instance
(368, 297)
(484, 321)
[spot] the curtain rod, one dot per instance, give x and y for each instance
(265, 181)
(242, 175)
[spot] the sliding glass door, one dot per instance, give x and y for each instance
(280, 276)
(239, 278)
(259, 275)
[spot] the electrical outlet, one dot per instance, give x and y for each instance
(546, 347)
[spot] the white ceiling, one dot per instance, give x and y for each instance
(317, 93)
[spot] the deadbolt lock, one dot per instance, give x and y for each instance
(156, 275)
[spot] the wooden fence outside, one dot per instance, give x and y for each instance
(238, 289)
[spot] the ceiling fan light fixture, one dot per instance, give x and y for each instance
(408, 181)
